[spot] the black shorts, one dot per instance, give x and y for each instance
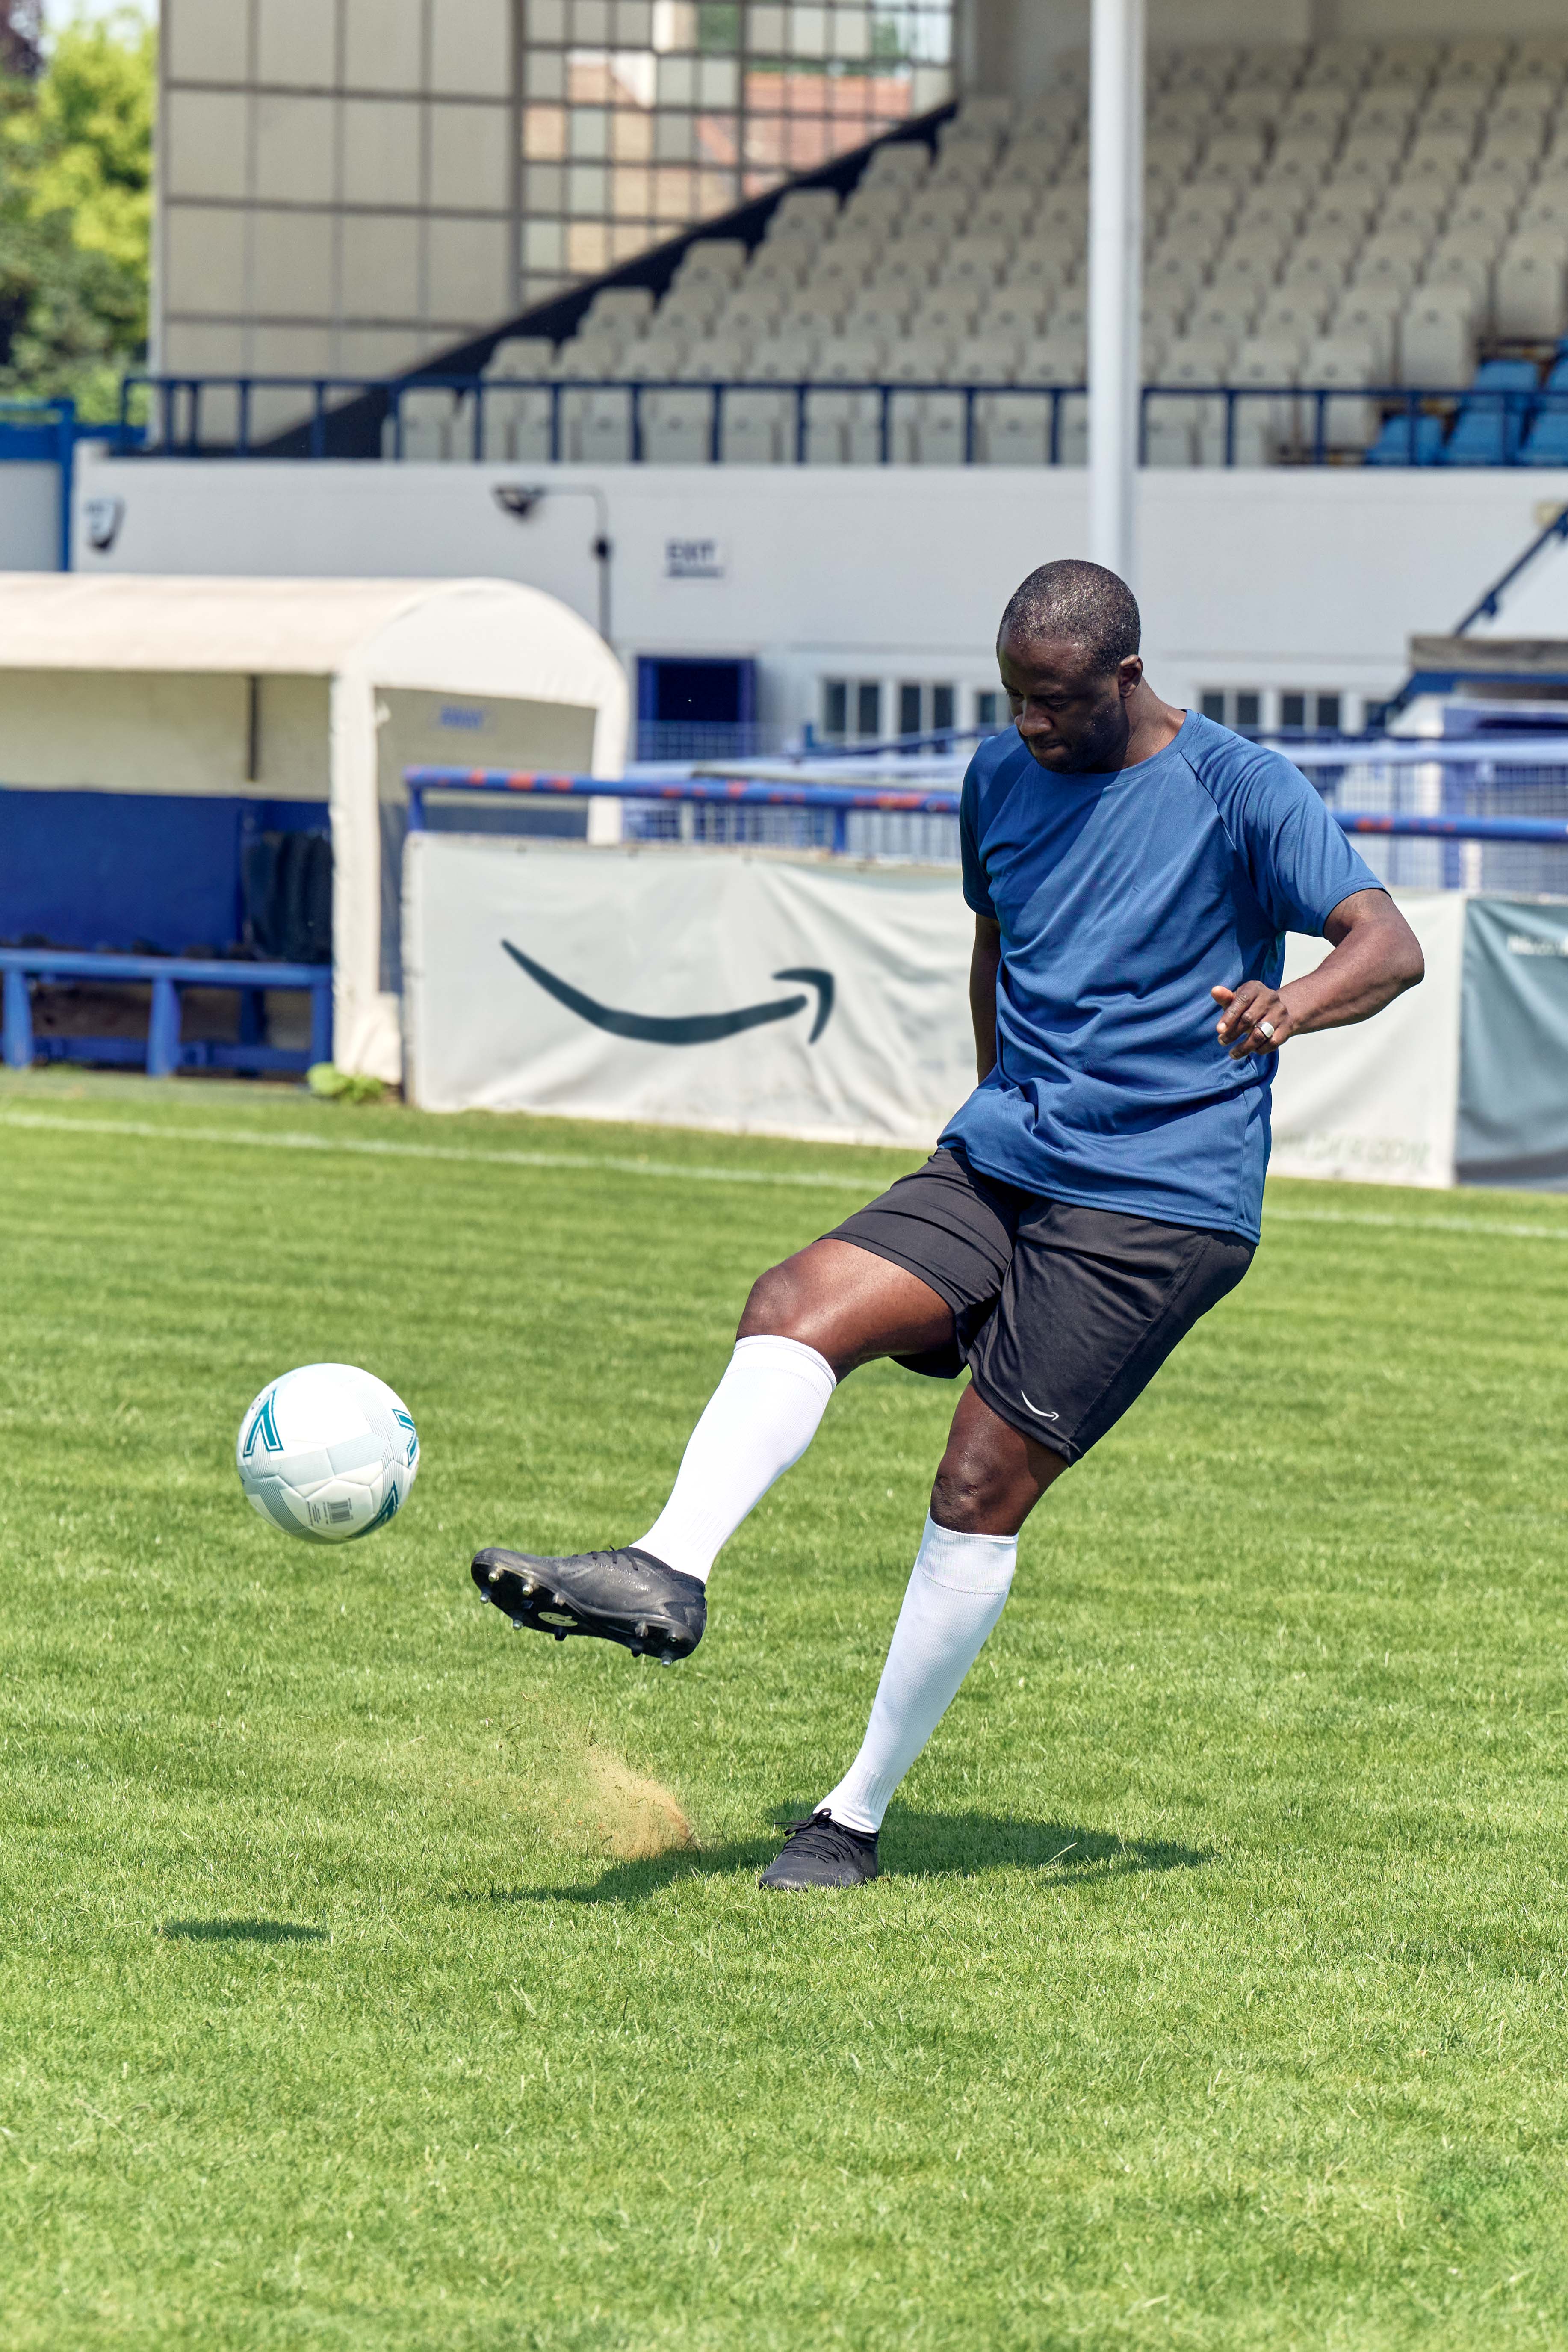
(1063, 1314)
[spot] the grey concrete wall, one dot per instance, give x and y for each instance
(29, 518)
(1290, 578)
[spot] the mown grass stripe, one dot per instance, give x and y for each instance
(300, 1140)
(590, 1163)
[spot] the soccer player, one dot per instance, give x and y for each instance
(1132, 869)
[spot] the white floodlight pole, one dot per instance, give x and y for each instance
(1115, 275)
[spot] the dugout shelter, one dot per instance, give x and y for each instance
(154, 730)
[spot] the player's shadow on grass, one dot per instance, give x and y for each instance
(914, 1845)
(241, 1931)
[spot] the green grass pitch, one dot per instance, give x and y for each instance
(355, 1994)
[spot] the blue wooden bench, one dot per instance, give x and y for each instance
(164, 1052)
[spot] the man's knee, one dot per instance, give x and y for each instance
(971, 1495)
(776, 1304)
(991, 1475)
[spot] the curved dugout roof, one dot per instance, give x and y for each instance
(492, 638)
(485, 636)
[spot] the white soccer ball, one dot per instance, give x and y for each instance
(327, 1453)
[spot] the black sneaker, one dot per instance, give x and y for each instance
(820, 1851)
(620, 1596)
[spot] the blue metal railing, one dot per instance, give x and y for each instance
(43, 432)
(164, 1051)
(838, 800)
(841, 800)
(177, 405)
(46, 433)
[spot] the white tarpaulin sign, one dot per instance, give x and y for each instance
(1378, 1103)
(704, 987)
(689, 988)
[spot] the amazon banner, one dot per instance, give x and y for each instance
(691, 988)
(704, 987)
(1377, 1103)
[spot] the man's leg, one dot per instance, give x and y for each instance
(806, 1323)
(989, 1480)
(1091, 1307)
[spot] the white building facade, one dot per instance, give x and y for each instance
(347, 186)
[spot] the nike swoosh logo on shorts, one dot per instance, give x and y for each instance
(1037, 1413)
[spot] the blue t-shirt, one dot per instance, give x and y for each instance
(1123, 897)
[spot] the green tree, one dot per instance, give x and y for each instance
(76, 201)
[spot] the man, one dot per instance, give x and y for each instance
(1129, 866)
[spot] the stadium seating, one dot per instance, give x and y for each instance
(1408, 440)
(1547, 441)
(1322, 226)
(1491, 426)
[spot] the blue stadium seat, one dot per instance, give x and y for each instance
(1548, 442)
(1490, 431)
(1408, 441)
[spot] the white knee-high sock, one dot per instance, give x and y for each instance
(759, 1420)
(955, 1595)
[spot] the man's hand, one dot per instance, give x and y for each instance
(1376, 957)
(1256, 1020)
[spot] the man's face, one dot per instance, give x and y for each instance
(1072, 717)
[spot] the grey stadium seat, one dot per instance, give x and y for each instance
(437, 428)
(757, 428)
(677, 427)
(515, 424)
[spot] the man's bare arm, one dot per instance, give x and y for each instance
(984, 965)
(1376, 957)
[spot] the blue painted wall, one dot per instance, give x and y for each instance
(110, 869)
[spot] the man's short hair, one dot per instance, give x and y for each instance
(1081, 601)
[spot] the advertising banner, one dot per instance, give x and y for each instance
(691, 988)
(1377, 1103)
(1514, 1090)
(704, 987)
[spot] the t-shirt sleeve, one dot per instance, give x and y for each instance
(976, 889)
(1298, 858)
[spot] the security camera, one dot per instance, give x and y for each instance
(517, 499)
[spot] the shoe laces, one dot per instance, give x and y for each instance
(831, 1838)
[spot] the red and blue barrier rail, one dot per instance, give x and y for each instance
(842, 800)
(704, 791)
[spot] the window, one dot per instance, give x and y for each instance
(988, 708)
(851, 707)
(1242, 707)
(924, 710)
(696, 107)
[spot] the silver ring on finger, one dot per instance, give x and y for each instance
(1266, 1029)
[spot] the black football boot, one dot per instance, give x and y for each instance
(618, 1596)
(820, 1851)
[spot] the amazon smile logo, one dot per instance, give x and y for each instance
(687, 1028)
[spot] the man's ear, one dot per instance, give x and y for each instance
(1129, 675)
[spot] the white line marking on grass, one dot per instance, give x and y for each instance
(299, 1139)
(816, 1180)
